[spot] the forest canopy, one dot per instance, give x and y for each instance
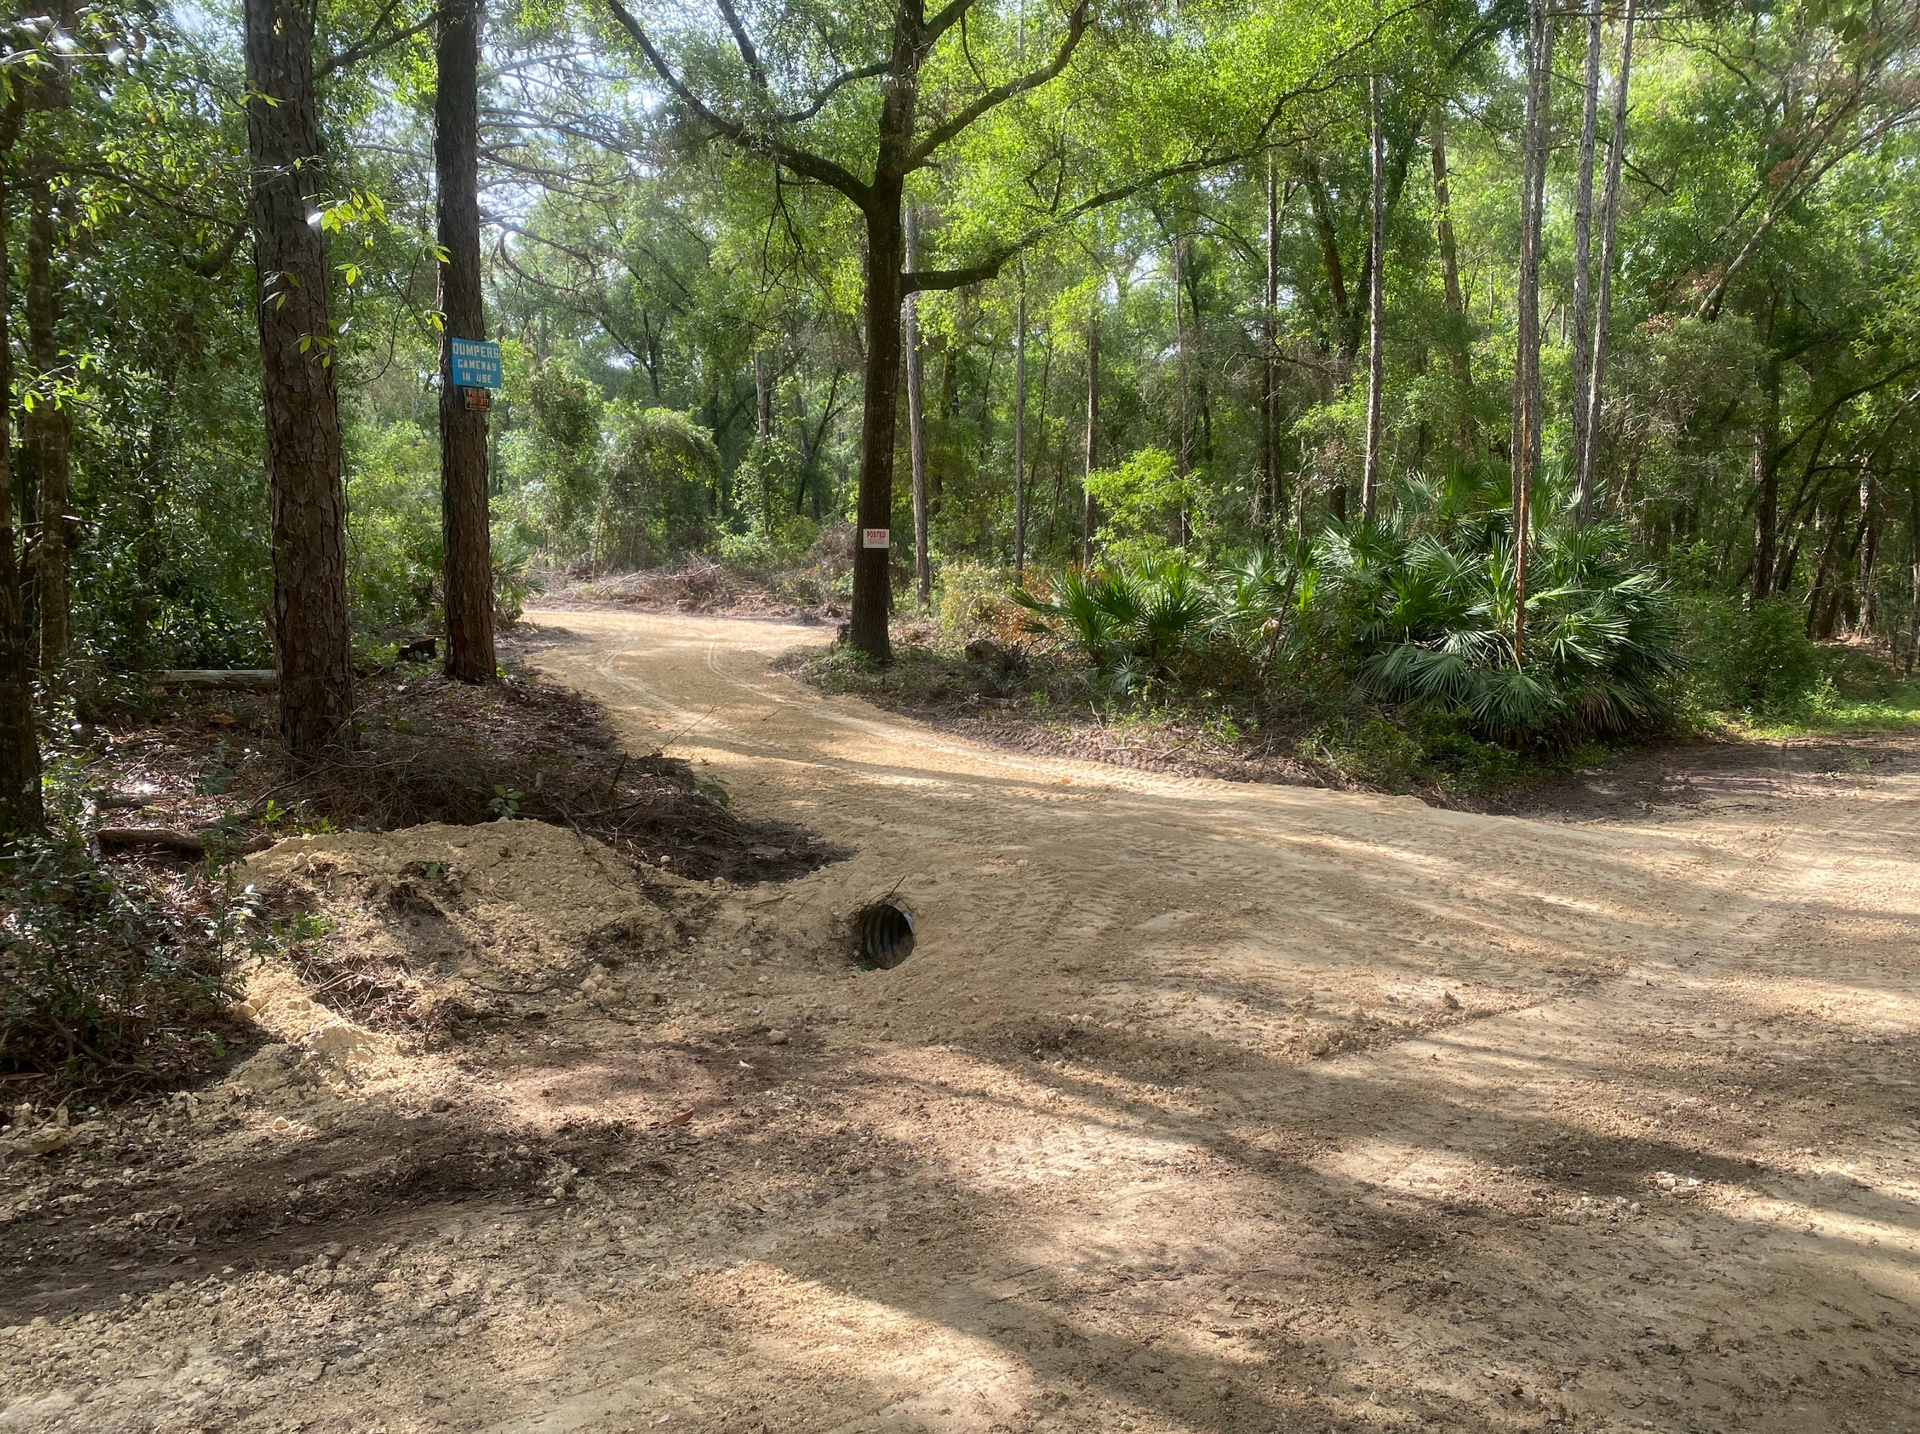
(1505, 340)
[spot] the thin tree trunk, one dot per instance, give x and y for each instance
(1183, 453)
(21, 811)
(1040, 449)
(1580, 359)
(872, 583)
(1766, 482)
(1526, 456)
(1584, 459)
(1087, 513)
(762, 437)
(47, 430)
(297, 380)
(1270, 335)
(1913, 553)
(1020, 431)
(1376, 303)
(917, 434)
(1459, 349)
(1864, 593)
(464, 518)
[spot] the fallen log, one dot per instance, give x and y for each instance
(240, 679)
(187, 844)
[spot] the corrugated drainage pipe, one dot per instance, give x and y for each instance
(883, 934)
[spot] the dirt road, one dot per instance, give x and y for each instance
(1198, 1107)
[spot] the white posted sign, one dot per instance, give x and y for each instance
(876, 538)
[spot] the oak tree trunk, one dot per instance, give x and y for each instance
(297, 379)
(917, 431)
(464, 518)
(872, 588)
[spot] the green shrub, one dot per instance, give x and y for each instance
(102, 990)
(1426, 616)
(1373, 751)
(1754, 658)
(972, 600)
(656, 506)
(759, 553)
(1137, 623)
(1143, 505)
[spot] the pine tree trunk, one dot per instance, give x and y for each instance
(297, 380)
(1088, 515)
(1376, 303)
(1585, 459)
(1580, 357)
(917, 432)
(1270, 336)
(1459, 342)
(21, 811)
(872, 586)
(1527, 448)
(464, 519)
(45, 433)
(1020, 431)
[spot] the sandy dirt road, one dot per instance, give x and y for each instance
(1261, 1107)
(1198, 1107)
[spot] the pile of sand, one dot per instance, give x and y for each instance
(387, 940)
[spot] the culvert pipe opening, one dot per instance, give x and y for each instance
(883, 934)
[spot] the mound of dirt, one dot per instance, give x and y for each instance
(423, 931)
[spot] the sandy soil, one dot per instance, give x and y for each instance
(1198, 1107)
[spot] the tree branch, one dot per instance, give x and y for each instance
(927, 280)
(1077, 23)
(744, 42)
(865, 72)
(800, 161)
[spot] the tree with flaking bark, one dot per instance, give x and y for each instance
(1584, 457)
(1376, 306)
(465, 522)
(309, 532)
(21, 811)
